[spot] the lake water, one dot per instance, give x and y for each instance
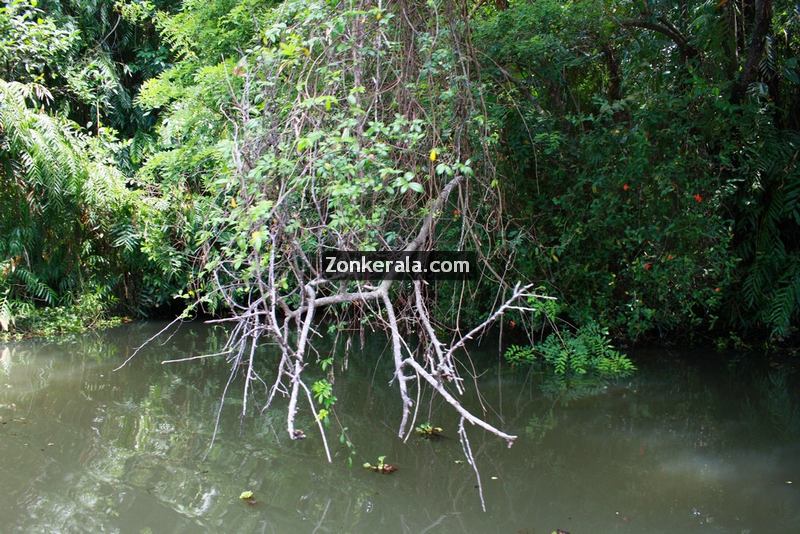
(692, 443)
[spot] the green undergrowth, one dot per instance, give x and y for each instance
(90, 312)
(586, 352)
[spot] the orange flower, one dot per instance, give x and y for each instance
(717, 290)
(626, 187)
(648, 266)
(698, 198)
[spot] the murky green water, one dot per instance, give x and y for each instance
(681, 447)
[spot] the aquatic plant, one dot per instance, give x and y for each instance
(381, 467)
(428, 431)
(587, 350)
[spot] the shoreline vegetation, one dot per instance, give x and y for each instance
(51, 322)
(642, 172)
(624, 172)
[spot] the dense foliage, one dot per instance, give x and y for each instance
(651, 149)
(638, 160)
(70, 233)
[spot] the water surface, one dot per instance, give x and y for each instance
(690, 444)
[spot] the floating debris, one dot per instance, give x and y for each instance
(382, 467)
(248, 497)
(428, 431)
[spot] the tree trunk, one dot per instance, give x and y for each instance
(761, 28)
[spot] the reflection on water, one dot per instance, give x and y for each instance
(680, 447)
